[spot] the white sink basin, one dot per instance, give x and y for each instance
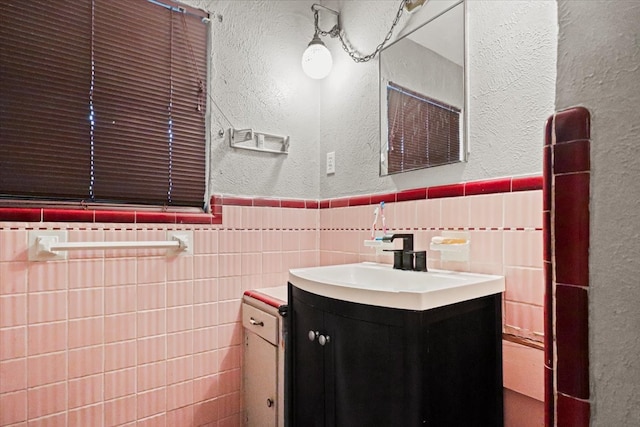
(381, 285)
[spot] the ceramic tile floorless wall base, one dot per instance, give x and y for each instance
(119, 337)
(163, 347)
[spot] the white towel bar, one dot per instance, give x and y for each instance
(50, 245)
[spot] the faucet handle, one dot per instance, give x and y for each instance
(421, 261)
(397, 257)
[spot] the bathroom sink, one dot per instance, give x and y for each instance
(381, 285)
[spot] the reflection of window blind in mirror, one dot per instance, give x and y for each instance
(423, 132)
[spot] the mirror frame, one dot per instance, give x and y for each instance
(382, 106)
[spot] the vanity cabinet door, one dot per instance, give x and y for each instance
(352, 373)
(307, 400)
(365, 373)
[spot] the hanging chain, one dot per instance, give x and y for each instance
(335, 32)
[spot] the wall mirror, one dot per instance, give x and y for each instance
(422, 92)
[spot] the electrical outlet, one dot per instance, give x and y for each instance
(331, 162)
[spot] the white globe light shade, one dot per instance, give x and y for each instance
(316, 60)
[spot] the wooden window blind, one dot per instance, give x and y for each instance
(103, 101)
(422, 132)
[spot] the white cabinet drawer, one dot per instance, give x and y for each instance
(260, 323)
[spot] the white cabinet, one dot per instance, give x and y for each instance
(263, 364)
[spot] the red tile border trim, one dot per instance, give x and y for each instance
(269, 203)
(526, 183)
(115, 216)
(453, 190)
(273, 302)
(376, 199)
(415, 194)
(67, 215)
(298, 204)
(502, 185)
(488, 187)
(20, 214)
(492, 186)
(106, 216)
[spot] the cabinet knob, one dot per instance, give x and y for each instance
(322, 339)
(269, 403)
(312, 335)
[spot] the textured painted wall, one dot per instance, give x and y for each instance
(598, 57)
(511, 59)
(257, 81)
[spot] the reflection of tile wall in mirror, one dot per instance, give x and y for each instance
(427, 59)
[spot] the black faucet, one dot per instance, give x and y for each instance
(403, 259)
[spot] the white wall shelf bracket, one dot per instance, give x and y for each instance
(248, 139)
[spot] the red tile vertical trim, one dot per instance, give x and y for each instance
(548, 317)
(567, 181)
(571, 228)
(572, 124)
(571, 157)
(548, 396)
(547, 178)
(573, 412)
(215, 204)
(572, 336)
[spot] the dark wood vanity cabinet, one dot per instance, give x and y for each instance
(355, 365)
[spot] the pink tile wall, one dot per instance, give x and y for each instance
(120, 337)
(123, 336)
(506, 238)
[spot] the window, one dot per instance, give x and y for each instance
(423, 132)
(103, 101)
